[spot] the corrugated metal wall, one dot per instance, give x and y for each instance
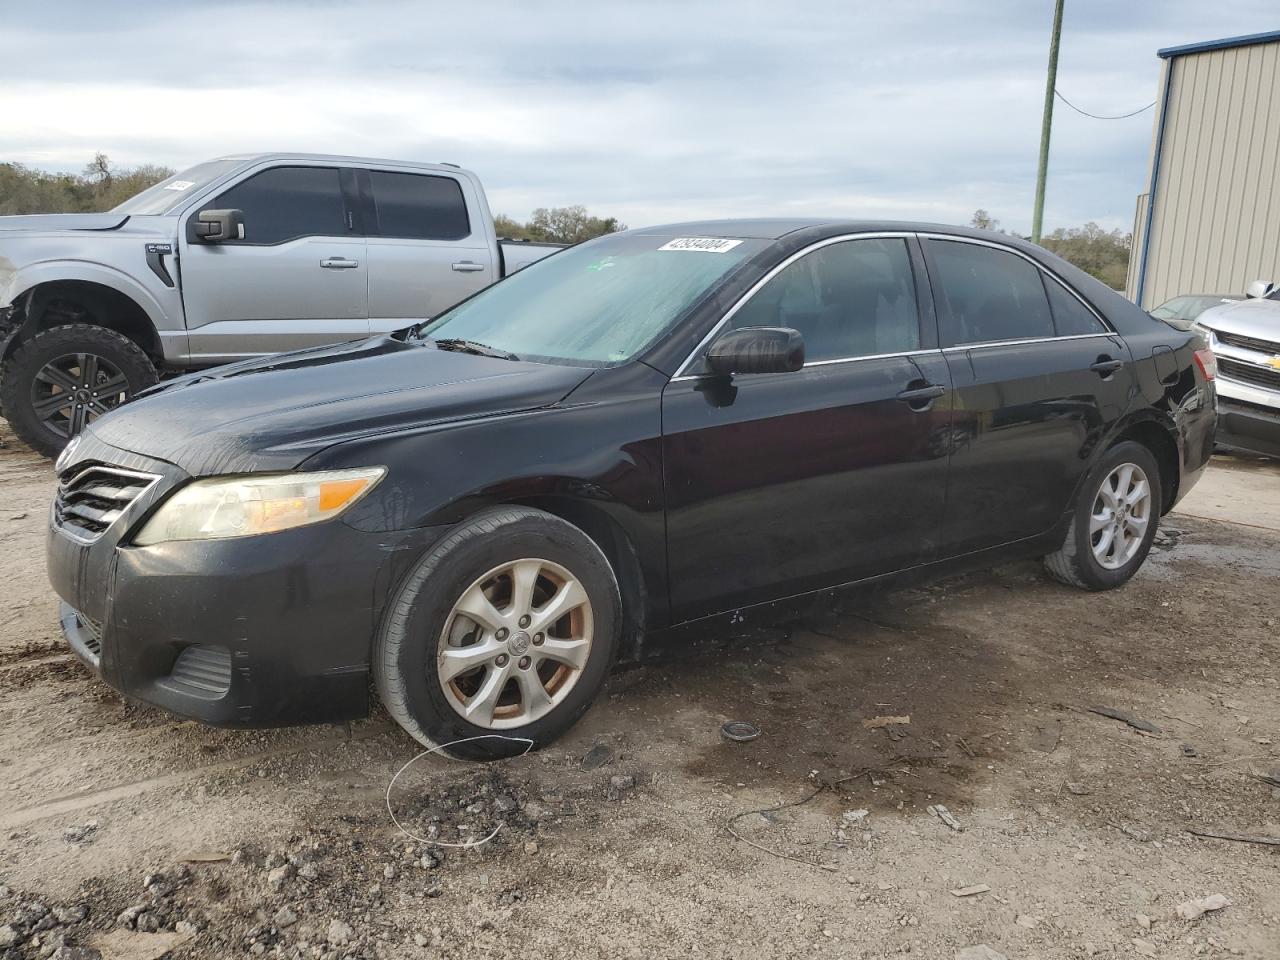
(1216, 222)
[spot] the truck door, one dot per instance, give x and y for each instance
(298, 278)
(428, 246)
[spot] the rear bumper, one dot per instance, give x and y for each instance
(252, 632)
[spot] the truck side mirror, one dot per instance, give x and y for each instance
(216, 226)
(1259, 289)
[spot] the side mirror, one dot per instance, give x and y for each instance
(1259, 289)
(216, 226)
(757, 350)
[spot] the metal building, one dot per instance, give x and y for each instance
(1210, 219)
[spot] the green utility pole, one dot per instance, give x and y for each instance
(1038, 216)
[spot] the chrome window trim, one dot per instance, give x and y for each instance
(822, 363)
(961, 347)
(1039, 266)
(1107, 331)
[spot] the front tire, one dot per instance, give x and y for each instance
(1113, 522)
(66, 377)
(507, 627)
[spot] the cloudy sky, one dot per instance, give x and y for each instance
(650, 111)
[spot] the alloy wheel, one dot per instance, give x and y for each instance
(1120, 516)
(75, 389)
(515, 643)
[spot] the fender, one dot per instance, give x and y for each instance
(28, 277)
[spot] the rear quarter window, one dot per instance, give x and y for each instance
(1071, 318)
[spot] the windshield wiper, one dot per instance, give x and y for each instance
(471, 346)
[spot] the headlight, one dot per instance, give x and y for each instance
(243, 506)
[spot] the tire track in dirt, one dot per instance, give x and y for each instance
(69, 803)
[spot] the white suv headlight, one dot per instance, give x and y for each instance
(243, 506)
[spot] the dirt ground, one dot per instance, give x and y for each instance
(128, 831)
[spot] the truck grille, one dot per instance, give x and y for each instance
(91, 500)
(1248, 343)
(1249, 373)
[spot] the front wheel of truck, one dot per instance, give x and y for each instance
(64, 378)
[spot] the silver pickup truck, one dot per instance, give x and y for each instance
(1245, 337)
(233, 258)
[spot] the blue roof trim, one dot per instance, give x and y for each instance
(1205, 45)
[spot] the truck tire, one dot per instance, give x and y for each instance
(1113, 521)
(501, 637)
(66, 377)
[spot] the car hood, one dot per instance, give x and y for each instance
(1248, 318)
(272, 413)
(63, 222)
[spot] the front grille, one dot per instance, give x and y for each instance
(1248, 343)
(1229, 403)
(1249, 373)
(91, 499)
(90, 633)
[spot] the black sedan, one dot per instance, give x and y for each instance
(674, 429)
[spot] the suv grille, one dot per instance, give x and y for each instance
(1248, 343)
(1249, 373)
(89, 501)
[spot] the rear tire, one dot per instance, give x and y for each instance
(536, 693)
(1113, 522)
(66, 377)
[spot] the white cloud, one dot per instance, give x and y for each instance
(648, 111)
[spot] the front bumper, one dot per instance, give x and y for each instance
(253, 632)
(1248, 418)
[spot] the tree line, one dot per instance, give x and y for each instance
(102, 185)
(1103, 254)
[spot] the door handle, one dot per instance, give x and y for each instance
(1106, 366)
(921, 399)
(468, 266)
(339, 263)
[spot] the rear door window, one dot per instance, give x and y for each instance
(285, 203)
(851, 299)
(1071, 318)
(419, 207)
(987, 295)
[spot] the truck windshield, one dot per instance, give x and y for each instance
(596, 304)
(167, 194)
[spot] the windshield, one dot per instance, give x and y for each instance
(596, 304)
(167, 194)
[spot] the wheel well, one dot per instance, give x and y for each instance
(1156, 439)
(82, 301)
(618, 550)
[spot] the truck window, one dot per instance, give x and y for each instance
(419, 207)
(285, 203)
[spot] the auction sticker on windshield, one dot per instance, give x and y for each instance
(181, 185)
(700, 244)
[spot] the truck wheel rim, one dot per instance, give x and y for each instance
(75, 389)
(514, 644)
(1120, 516)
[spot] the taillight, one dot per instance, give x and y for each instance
(1207, 363)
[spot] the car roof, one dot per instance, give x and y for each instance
(775, 228)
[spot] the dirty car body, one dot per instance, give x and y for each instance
(923, 431)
